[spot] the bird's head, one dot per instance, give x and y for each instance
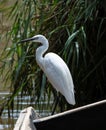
(36, 38)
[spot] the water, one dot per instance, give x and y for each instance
(7, 121)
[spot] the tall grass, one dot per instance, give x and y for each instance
(76, 31)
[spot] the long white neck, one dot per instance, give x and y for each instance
(40, 52)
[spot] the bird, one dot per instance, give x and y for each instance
(54, 67)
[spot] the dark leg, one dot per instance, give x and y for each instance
(55, 104)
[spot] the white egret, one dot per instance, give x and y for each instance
(54, 68)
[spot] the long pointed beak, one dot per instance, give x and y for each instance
(28, 39)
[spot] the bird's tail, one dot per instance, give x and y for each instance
(70, 98)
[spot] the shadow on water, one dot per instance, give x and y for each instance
(9, 118)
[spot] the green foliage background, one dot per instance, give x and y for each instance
(76, 31)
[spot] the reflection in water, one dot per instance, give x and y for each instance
(8, 122)
(8, 119)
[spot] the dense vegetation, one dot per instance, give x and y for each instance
(76, 30)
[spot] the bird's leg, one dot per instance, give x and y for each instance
(55, 104)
